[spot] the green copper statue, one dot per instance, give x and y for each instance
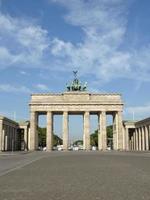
(76, 84)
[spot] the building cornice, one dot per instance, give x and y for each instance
(76, 93)
(8, 120)
(75, 104)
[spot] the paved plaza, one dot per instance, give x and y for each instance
(75, 176)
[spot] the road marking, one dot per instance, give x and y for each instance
(21, 166)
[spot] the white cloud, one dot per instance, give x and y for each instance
(100, 53)
(103, 27)
(23, 72)
(33, 38)
(14, 89)
(21, 42)
(137, 112)
(104, 24)
(42, 87)
(6, 58)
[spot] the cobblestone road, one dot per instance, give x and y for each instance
(75, 176)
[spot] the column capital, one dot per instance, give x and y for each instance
(49, 113)
(86, 113)
(102, 112)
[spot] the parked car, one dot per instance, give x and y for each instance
(76, 148)
(44, 148)
(94, 148)
(59, 147)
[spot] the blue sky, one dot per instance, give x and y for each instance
(42, 41)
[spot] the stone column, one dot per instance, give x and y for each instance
(134, 141)
(130, 144)
(127, 139)
(118, 137)
(36, 135)
(148, 128)
(25, 139)
(65, 130)
(146, 138)
(114, 132)
(140, 139)
(6, 139)
(137, 142)
(1, 134)
(9, 138)
(49, 135)
(124, 138)
(102, 131)
(6, 143)
(3, 140)
(143, 138)
(12, 138)
(86, 131)
(100, 147)
(16, 138)
(33, 130)
(119, 133)
(29, 137)
(4, 133)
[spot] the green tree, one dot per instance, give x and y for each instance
(42, 138)
(110, 131)
(57, 140)
(78, 142)
(94, 136)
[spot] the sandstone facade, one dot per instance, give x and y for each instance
(76, 102)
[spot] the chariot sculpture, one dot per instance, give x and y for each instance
(76, 85)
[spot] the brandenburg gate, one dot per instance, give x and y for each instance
(77, 100)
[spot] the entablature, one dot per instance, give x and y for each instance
(74, 108)
(76, 97)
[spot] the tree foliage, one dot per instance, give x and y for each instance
(110, 131)
(94, 136)
(42, 138)
(78, 142)
(58, 141)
